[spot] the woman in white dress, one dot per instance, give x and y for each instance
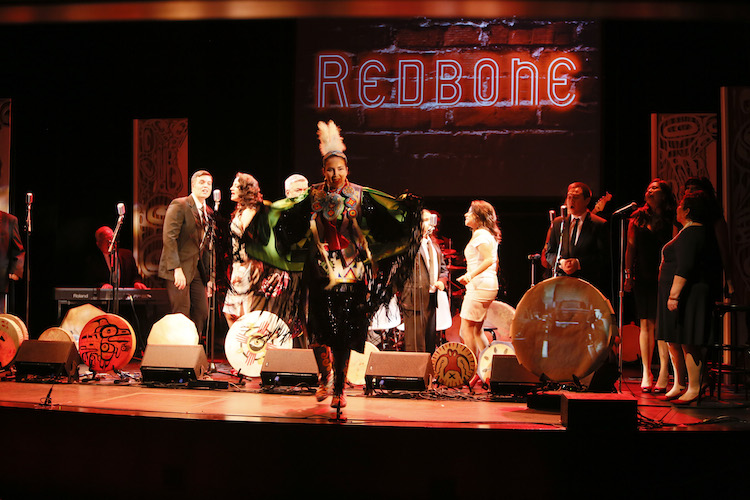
(245, 191)
(481, 272)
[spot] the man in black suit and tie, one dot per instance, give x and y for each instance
(418, 300)
(12, 255)
(184, 259)
(584, 240)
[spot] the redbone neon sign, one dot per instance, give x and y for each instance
(445, 80)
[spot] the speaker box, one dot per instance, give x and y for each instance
(48, 359)
(289, 367)
(598, 412)
(173, 363)
(509, 377)
(398, 371)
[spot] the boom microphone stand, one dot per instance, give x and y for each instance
(621, 293)
(211, 329)
(27, 270)
(114, 260)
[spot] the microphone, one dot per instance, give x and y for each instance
(563, 211)
(29, 198)
(534, 256)
(121, 213)
(551, 216)
(626, 208)
(217, 199)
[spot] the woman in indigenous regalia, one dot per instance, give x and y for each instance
(358, 244)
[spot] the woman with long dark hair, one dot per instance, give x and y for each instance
(245, 192)
(650, 228)
(481, 272)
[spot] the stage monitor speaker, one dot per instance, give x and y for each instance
(587, 411)
(509, 377)
(398, 371)
(170, 364)
(289, 367)
(47, 359)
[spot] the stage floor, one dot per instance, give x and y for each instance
(245, 400)
(124, 440)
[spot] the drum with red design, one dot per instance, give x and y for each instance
(453, 364)
(107, 343)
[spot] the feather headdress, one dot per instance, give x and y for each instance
(331, 143)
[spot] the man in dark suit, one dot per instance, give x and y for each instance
(100, 274)
(418, 300)
(584, 240)
(185, 256)
(12, 255)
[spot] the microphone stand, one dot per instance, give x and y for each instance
(211, 330)
(114, 267)
(563, 215)
(556, 271)
(621, 292)
(27, 270)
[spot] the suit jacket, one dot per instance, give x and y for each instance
(182, 236)
(591, 250)
(415, 295)
(12, 253)
(98, 269)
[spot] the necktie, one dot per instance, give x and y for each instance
(574, 232)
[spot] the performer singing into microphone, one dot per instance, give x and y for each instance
(584, 241)
(12, 255)
(184, 259)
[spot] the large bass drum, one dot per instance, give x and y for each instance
(563, 327)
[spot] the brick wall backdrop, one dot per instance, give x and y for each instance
(461, 149)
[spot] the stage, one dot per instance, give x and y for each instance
(118, 439)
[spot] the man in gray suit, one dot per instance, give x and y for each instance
(185, 255)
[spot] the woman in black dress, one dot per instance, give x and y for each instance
(651, 227)
(689, 285)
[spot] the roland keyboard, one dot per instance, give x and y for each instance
(74, 295)
(79, 296)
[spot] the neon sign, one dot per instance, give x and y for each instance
(445, 80)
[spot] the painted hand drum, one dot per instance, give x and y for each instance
(355, 374)
(563, 327)
(250, 336)
(484, 363)
(12, 333)
(453, 364)
(107, 343)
